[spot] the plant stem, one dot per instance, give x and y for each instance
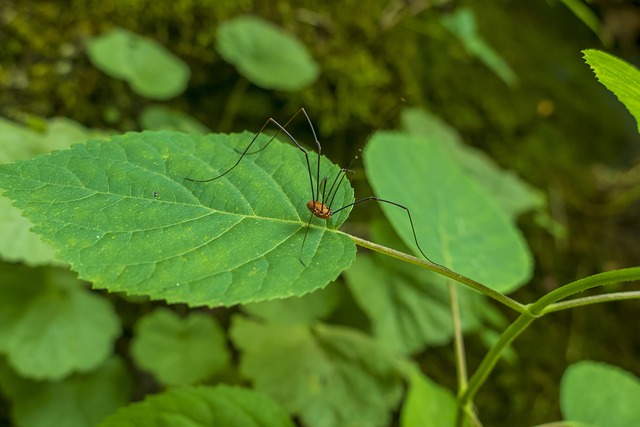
(458, 342)
(580, 285)
(480, 375)
(444, 271)
(580, 302)
(546, 305)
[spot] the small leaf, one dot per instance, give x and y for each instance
(462, 23)
(266, 55)
(457, 223)
(123, 214)
(157, 117)
(179, 350)
(81, 400)
(427, 404)
(150, 69)
(202, 407)
(600, 395)
(329, 376)
(50, 326)
(620, 77)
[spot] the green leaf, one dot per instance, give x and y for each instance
(405, 315)
(150, 69)
(179, 350)
(620, 77)
(600, 395)
(123, 214)
(409, 308)
(462, 23)
(157, 117)
(50, 326)
(456, 221)
(202, 407)
(294, 310)
(328, 376)
(17, 143)
(512, 193)
(81, 400)
(427, 404)
(266, 55)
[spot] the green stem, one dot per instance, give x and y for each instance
(234, 101)
(546, 305)
(580, 302)
(458, 343)
(480, 375)
(580, 285)
(444, 271)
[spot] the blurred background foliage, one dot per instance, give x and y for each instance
(544, 116)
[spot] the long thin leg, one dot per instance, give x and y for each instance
(335, 185)
(413, 230)
(286, 132)
(304, 239)
(282, 128)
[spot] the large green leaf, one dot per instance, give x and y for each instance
(150, 69)
(18, 143)
(620, 77)
(222, 406)
(600, 395)
(329, 376)
(81, 400)
(266, 55)
(50, 325)
(179, 350)
(457, 223)
(513, 194)
(123, 214)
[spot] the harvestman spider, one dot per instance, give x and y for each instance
(319, 207)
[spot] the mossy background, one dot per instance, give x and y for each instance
(558, 128)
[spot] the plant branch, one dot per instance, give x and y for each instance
(458, 343)
(486, 366)
(580, 285)
(444, 271)
(580, 302)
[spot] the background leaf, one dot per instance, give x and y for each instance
(409, 308)
(513, 194)
(405, 315)
(81, 400)
(50, 326)
(462, 23)
(150, 69)
(600, 395)
(427, 403)
(158, 117)
(457, 223)
(266, 55)
(179, 350)
(298, 310)
(202, 407)
(121, 212)
(329, 376)
(620, 77)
